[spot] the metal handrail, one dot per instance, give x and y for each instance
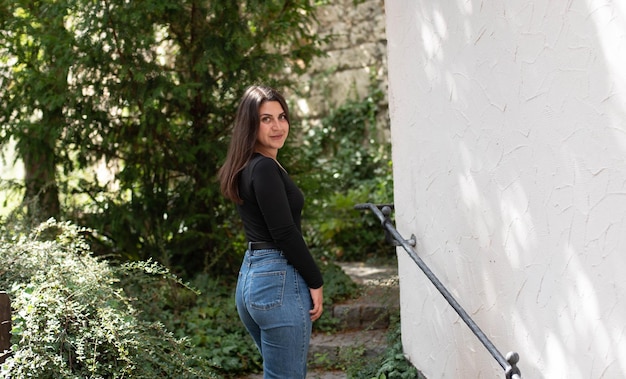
(383, 211)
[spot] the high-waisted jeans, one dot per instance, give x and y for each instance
(273, 302)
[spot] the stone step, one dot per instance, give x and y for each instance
(340, 349)
(362, 314)
(379, 300)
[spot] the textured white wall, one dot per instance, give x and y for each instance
(509, 145)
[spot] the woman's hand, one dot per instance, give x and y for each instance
(317, 295)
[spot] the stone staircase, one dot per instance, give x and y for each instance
(363, 322)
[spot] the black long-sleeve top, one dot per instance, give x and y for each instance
(271, 212)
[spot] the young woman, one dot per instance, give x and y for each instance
(279, 291)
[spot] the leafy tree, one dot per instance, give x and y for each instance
(147, 89)
(34, 94)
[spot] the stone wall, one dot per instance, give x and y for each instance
(355, 57)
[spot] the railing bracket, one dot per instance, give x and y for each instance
(512, 372)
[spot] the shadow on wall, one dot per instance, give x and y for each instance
(529, 101)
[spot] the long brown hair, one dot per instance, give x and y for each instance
(244, 137)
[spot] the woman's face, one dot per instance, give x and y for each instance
(273, 128)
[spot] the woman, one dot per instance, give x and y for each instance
(279, 291)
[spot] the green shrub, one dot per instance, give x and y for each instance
(73, 319)
(391, 365)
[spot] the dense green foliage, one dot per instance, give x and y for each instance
(148, 90)
(145, 92)
(73, 319)
(343, 162)
(215, 331)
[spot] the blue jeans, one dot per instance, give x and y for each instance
(273, 302)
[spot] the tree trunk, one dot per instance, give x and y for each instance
(42, 193)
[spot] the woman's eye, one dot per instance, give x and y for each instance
(265, 119)
(282, 117)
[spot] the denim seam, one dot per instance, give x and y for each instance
(266, 262)
(303, 347)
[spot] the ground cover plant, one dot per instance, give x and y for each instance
(390, 365)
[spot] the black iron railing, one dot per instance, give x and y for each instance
(383, 211)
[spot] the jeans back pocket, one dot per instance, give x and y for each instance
(267, 289)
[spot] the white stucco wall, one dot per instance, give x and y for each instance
(509, 150)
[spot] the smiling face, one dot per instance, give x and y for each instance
(273, 129)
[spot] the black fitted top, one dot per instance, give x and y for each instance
(271, 212)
